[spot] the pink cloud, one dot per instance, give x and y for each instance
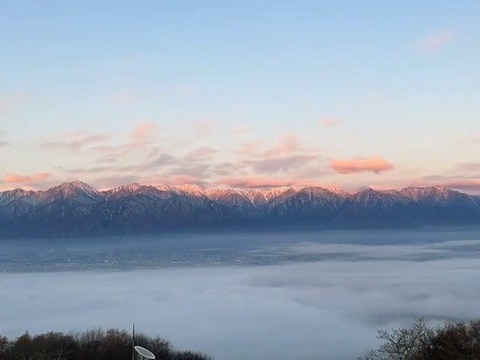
(254, 182)
(313, 171)
(203, 128)
(141, 139)
(436, 41)
(467, 184)
(276, 164)
(227, 169)
(287, 145)
(155, 163)
(27, 179)
(174, 180)
(469, 167)
(264, 182)
(197, 169)
(464, 184)
(79, 141)
(249, 148)
(356, 165)
(143, 131)
(328, 122)
(201, 153)
(92, 170)
(184, 180)
(109, 182)
(241, 130)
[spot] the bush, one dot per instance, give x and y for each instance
(95, 344)
(450, 341)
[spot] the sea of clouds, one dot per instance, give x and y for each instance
(328, 309)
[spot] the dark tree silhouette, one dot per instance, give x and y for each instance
(95, 344)
(450, 341)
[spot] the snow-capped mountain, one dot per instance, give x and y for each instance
(370, 198)
(190, 190)
(241, 200)
(135, 189)
(7, 197)
(73, 191)
(436, 195)
(75, 208)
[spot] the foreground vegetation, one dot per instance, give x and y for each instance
(421, 341)
(96, 344)
(450, 341)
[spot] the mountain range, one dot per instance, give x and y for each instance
(77, 209)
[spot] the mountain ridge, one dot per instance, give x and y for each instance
(76, 208)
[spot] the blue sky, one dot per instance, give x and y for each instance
(238, 93)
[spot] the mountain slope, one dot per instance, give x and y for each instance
(75, 208)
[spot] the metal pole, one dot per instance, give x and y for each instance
(133, 342)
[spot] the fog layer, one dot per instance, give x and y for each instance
(325, 309)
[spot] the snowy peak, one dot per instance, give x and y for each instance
(8, 196)
(74, 187)
(371, 198)
(367, 193)
(281, 192)
(435, 193)
(184, 190)
(136, 189)
(76, 191)
(318, 191)
(338, 191)
(164, 188)
(216, 194)
(76, 208)
(190, 189)
(129, 188)
(79, 192)
(260, 197)
(254, 195)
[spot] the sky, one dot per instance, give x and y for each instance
(241, 93)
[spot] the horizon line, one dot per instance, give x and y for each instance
(258, 188)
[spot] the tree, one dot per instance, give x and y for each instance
(95, 344)
(400, 344)
(450, 341)
(453, 341)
